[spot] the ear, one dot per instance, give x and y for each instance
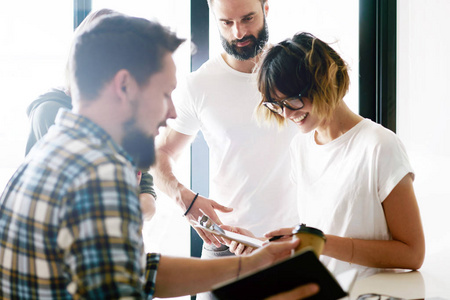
(124, 85)
(266, 7)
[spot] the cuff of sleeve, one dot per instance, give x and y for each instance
(150, 273)
(146, 185)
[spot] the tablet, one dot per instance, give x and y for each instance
(246, 240)
(207, 224)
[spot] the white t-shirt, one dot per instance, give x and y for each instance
(342, 184)
(249, 164)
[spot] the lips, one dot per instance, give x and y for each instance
(243, 44)
(300, 119)
(245, 41)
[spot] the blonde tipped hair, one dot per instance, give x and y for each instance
(303, 62)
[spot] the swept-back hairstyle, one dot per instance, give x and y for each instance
(212, 1)
(115, 42)
(302, 63)
(79, 30)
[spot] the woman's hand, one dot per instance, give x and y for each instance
(285, 233)
(236, 247)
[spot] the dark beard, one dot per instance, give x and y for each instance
(250, 51)
(139, 146)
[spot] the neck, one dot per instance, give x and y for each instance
(106, 112)
(342, 120)
(244, 66)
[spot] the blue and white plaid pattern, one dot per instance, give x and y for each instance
(70, 220)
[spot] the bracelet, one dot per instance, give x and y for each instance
(351, 258)
(190, 206)
(239, 267)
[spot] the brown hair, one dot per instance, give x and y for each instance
(262, 2)
(303, 62)
(116, 42)
(83, 26)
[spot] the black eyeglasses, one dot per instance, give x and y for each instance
(373, 296)
(293, 103)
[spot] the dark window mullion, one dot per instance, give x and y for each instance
(378, 61)
(81, 8)
(199, 148)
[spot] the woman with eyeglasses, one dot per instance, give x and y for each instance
(354, 179)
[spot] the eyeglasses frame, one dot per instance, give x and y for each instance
(284, 103)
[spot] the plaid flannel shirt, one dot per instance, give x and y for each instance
(70, 220)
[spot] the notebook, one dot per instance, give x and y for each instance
(304, 267)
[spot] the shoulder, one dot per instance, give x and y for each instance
(52, 98)
(376, 133)
(379, 139)
(212, 68)
(45, 108)
(79, 152)
(48, 109)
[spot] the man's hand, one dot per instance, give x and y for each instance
(170, 144)
(269, 254)
(209, 207)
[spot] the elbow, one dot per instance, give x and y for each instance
(417, 257)
(418, 260)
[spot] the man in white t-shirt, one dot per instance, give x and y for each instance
(249, 185)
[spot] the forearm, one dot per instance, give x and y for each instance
(375, 253)
(166, 180)
(188, 276)
(184, 276)
(148, 206)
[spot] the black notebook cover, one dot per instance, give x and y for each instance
(301, 268)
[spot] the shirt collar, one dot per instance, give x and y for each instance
(85, 126)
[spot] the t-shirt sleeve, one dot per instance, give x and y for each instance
(187, 120)
(393, 163)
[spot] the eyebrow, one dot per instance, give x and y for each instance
(243, 17)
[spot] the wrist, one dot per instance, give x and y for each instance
(331, 247)
(190, 205)
(184, 197)
(249, 264)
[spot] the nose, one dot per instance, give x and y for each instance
(239, 30)
(171, 112)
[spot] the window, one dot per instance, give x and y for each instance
(32, 60)
(422, 112)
